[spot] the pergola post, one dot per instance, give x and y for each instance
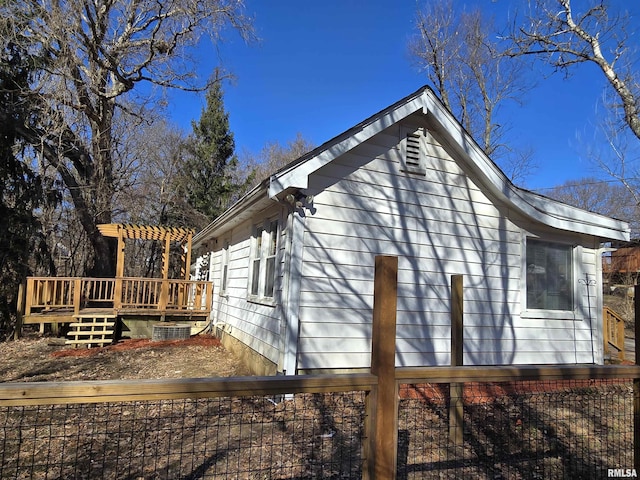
(186, 258)
(120, 254)
(157, 233)
(164, 291)
(117, 293)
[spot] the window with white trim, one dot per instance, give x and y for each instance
(263, 260)
(270, 260)
(550, 279)
(413, 150)
(224, 271)
(256, 261)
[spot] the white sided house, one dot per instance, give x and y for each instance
(293, 261)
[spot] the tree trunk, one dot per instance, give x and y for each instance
(104, 264)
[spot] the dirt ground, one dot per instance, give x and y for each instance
(47, 359)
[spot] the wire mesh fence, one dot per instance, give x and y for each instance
(561, 429)
(543, 429)
(306, 436)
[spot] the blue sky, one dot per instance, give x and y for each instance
(321, 67)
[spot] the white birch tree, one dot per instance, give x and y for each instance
(565, 34)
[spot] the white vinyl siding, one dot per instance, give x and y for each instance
(255, 324)
(438, 224)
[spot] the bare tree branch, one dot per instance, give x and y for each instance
(563, 36)
(99, 52)
(472, 75)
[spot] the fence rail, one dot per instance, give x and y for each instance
(476, 422)
(44, 393)
(570, 422)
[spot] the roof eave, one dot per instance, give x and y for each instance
(543, 209)
(234, 214)
(296, 175)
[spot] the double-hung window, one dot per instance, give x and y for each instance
(550, 278)
(270, 259)
(263, 261)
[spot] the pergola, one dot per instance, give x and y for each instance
(146, 232)
(101, 300)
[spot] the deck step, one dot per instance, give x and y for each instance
(91, 330)
(94, 324)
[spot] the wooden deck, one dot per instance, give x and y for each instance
(63, 299)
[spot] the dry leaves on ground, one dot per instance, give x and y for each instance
(36, 359)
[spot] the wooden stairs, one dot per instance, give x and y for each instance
(613, 334)
(91, 330)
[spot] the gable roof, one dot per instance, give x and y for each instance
(537, 207)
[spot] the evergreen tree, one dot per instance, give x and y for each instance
(208, 174)
(20, 190)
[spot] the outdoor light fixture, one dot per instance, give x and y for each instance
(298, 200)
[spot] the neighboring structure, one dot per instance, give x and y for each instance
(293, 260)
(622, 266)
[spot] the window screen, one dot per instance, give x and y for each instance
(549, 276)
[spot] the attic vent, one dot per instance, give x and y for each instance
(412, 151)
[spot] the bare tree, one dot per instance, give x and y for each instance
(100, 53)
(615, 151)
(272, 157)
(565, 35)
(599, 196)
(153, 195)
(472, 75)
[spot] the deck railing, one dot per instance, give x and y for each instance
(44, 294)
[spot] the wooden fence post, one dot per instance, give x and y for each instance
(382, 404)
(456, 390)
(636, 384)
